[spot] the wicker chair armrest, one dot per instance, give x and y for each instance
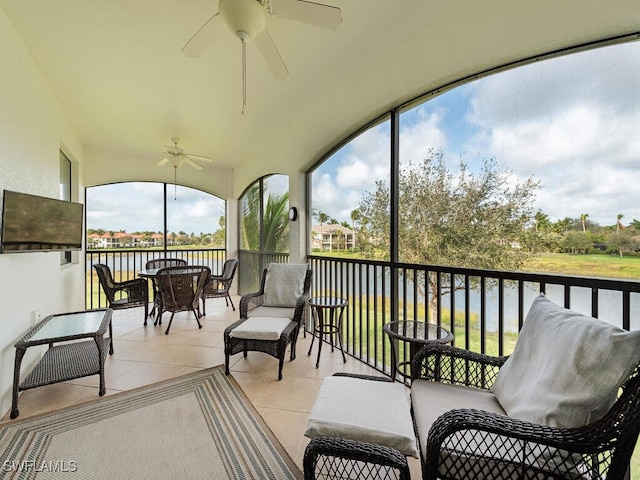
(229, 328)
(513, 443)
(447, 364)
(351, 455)
(137, 287)
(301, 307)
(250, 301)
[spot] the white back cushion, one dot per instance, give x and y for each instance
(566, 368)
(284, 284)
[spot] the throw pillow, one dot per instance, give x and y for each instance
(566, 368)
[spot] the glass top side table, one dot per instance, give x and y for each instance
(327, 321)
(65, 361)
(416, 335)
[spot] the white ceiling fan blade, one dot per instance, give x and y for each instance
(271, 55)
(200, 158)
(162, 162)
(192, 163)
(316, 14)
(201, 39)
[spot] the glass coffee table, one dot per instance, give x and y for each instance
(415, 335)
(81, 350)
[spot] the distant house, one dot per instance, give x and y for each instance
(124, 240)
(332, 237)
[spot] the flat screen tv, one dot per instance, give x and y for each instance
(31, 223)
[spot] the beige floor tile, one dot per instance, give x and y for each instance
(288, 426)
(278, 394)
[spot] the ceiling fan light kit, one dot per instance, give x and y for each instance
(245, 18)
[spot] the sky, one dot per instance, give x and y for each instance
(573, 123)
(138, 206)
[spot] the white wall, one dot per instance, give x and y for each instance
(33, 129)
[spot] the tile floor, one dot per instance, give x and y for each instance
(145, 355)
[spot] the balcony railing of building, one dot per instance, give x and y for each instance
(126, 263)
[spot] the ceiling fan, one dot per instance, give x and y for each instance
(247, 19)
(176, 158)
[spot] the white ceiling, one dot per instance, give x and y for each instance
(117, 69)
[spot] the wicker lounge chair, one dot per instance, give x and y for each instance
(180, 289)
(271, 318)
(127, 294)
(218, 286)
(473, 414)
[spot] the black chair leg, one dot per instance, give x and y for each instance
(197, 314)
(232, 305)
(169, 326)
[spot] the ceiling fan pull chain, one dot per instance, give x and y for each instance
(244, 75)
(175, 179)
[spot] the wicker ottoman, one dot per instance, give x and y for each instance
(360, 427)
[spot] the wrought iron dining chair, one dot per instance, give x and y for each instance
(126, 294)
(181, 289)
(218, 286)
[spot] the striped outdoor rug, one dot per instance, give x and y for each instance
(197, 426)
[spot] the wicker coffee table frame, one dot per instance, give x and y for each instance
(66, 361)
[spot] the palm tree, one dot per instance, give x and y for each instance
(322, 218)
(274, 223)
(356, 216)
(619, 225)
(583, 219)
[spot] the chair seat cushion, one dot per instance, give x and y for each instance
(363, 410)
(279, 312)
(260, 328)
(566, 368)
(429, 400)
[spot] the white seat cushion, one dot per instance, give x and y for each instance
(279, 312)
(365, 411)
(566, 368)
(431, 399)
(260, 328)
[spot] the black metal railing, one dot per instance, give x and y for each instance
(126, 263)
(250, 267)
(484, 309)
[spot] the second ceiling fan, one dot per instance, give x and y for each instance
(247, 19)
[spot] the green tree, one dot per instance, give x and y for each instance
(322, 218)
(458, 219)
(274, 223)
(356, 218)
(542, 221)
(577, 242)
(622, 241)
